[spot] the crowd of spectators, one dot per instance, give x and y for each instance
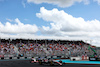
(6, 48)
(44, 48)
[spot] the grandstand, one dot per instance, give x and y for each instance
(44, 47)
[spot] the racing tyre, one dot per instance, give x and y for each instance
(51, 63)
(40, 62)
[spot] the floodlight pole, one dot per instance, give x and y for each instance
(52, 41)
(28, 41)
(67, 43)
(9, 40)
(20, 41)
(36, 41)
(59, 42)
(45, 42)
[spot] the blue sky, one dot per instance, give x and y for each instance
(14, 9)
(50, 19)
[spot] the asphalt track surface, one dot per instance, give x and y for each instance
(26, 63)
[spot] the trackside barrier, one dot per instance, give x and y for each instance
(4, 58)
(6, 55)
(11, 57)
(1, 55)
(62, 56)
(75, 58)
(48, 56)
(36, 57)
(14, 57)
(22, 57)
(85, 57)
(94, 59)
(29, 57)
(54, 56)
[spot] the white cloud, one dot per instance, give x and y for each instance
(17, 28)
(98, 1)
(33, 36)
(65, 25)
(86, 2)
(60, 3)
(63, 22)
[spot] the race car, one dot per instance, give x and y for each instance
(46, 61)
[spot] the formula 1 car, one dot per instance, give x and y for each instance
(45, 61)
